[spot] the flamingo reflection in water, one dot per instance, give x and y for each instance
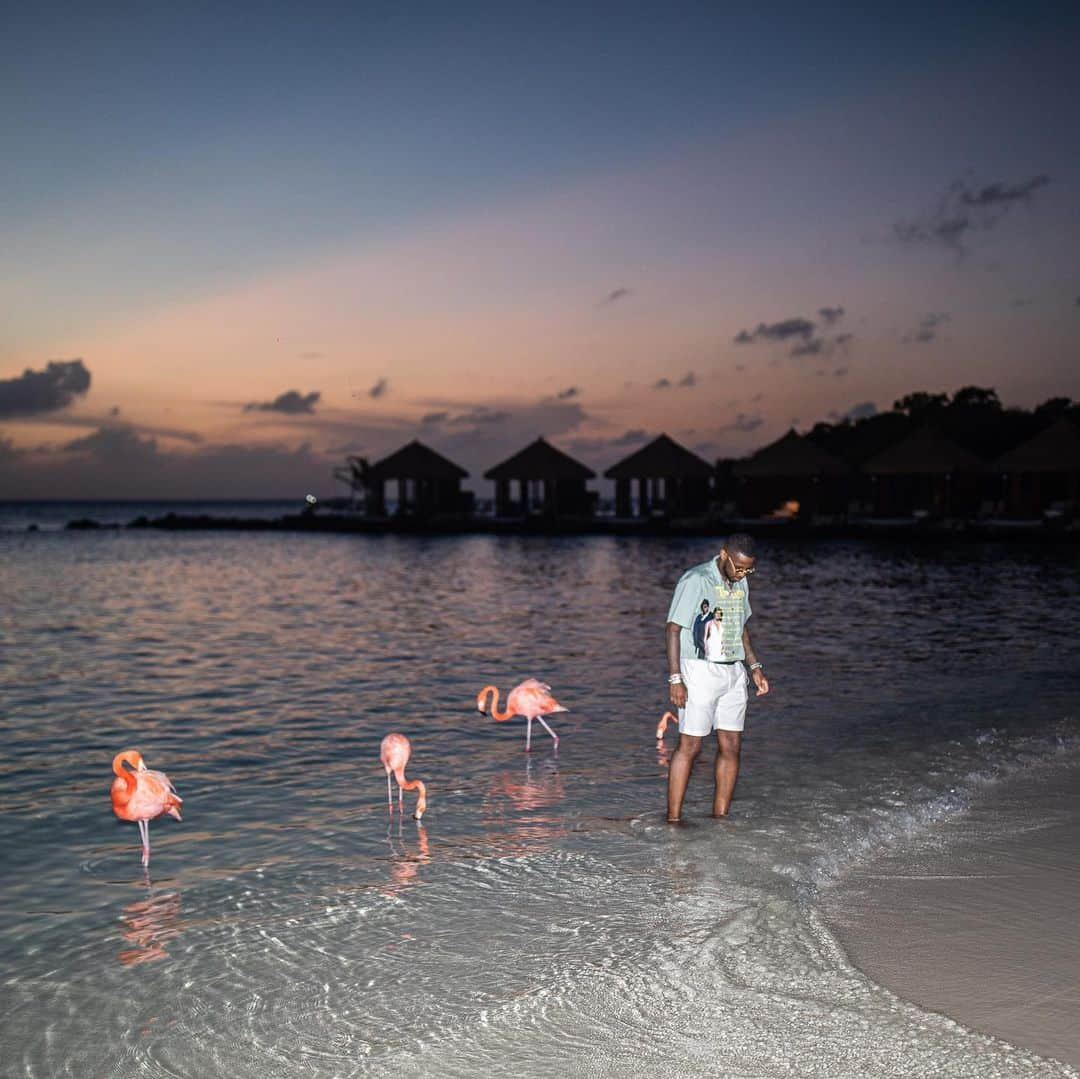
(149, 924)
(517, 811)
(662, 756)
(405, 866)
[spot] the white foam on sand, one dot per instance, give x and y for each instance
(977, 918)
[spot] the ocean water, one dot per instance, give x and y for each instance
(542, 920)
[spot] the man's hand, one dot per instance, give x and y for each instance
(760, 681)
(677, 693)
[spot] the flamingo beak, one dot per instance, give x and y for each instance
(142, 765)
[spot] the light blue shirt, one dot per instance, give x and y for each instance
(706, 584)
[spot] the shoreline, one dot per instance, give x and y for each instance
(976, 920)
(887, 529)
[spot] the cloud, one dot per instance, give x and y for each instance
(565, 395)
(744, 422)
(927, 329)
(380, 388)
(430, 418)
(478, 417)
(614, 296)
(686, 382)
(609, 449)
(831, 315)
(839, 372)
(631, 437)
(811, 347)
(290, 403)
(8, 450)
(35, 392)
(114, 444)
(862, 411)
(964, 210)
(776, 331)
(116, 462)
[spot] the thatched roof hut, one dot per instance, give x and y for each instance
(670, 481)
(1043, 473)
(927, 474)
(427, 483)
(541, 480)
(792, 475)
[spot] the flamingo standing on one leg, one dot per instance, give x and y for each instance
(531, 699)
(141, 795)
(394, 752)
(665, 719)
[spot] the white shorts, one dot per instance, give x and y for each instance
(715, 697)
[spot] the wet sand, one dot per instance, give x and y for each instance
(980, 918)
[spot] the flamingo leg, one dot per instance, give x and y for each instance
(144, 832)
(389, 794)
(549, 730)
(528, 734)
(400, 797)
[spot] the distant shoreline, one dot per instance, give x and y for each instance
(915, 530)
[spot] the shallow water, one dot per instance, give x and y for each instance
(542, 920)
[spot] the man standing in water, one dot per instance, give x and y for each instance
(711, 696)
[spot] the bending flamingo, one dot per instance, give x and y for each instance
(665, 719)
(394, 752)
(532, 699)
(141, 795)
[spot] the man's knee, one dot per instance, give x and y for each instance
(690, 744)
(729, 743)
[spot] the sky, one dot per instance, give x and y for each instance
(241, 242)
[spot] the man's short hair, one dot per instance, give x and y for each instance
(740, 543)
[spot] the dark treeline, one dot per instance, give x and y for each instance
(973, 418)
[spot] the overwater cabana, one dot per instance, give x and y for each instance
(925, 474)
(425, 484)
(541, 481)
(1043, 473)
(793, 477)
(662, 479)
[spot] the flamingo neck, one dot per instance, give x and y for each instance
(416, 784)
(126, 774)
(495, 713)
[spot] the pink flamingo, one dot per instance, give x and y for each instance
(665, 719)
(394, 753)
(142, 795)
(532, 699)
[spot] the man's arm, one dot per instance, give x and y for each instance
(758, 674)
(677, 691)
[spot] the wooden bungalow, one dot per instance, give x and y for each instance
(791, 477)
(925, 474)
(541, 481)
(1042, 474)
(662, 479)
(427, 484)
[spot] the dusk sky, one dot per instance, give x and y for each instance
(252, 239)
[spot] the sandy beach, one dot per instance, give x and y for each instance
(978, 919)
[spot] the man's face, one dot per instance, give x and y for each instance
(735, 565)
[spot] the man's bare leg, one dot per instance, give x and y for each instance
(728, 747)
(682, 764)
